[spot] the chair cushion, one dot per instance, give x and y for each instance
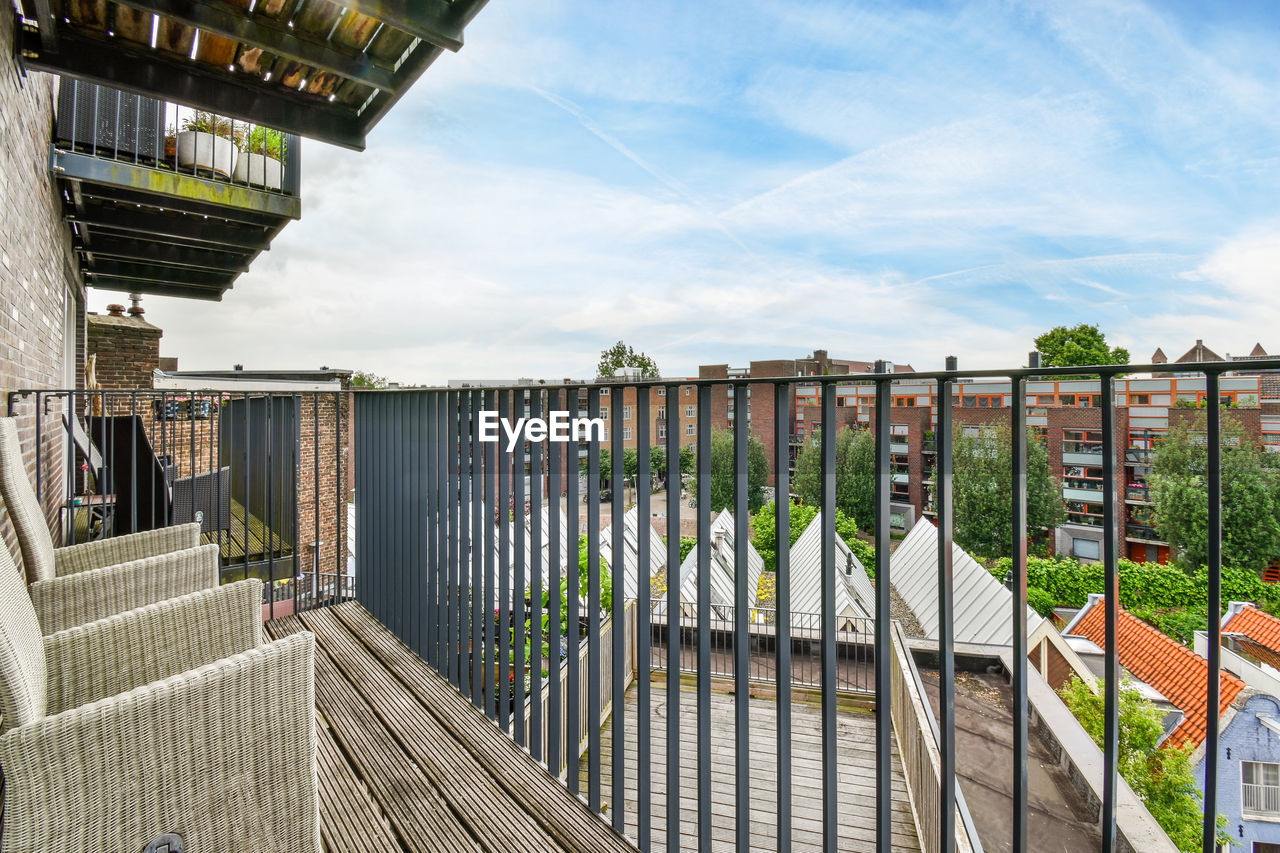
(24, 510)
(23, 673)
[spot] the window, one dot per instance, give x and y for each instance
(604, 414)
(1043, 399)
(626, 413)
(1139, 399)
(606, 434)
(1087, 549)
(689, 411)
(604, 392)
(1067, 399)
(662, 430)
(688, 391)
(1088, 514)
(689, 429)
(662, 413)
(662, 392)
(1086, 441)
(1260, 787)
(626, 433)
(1081, 477)
(904, 401)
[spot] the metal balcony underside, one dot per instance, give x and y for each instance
(308, 67)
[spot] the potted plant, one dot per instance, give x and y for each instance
(260, 163)
(208, 142)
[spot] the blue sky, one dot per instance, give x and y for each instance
(715, 182)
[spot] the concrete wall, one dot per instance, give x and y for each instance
(39, 291)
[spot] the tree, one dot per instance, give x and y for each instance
(688, 459)
(722, 479)
(658, 461)
(855, 474)
(365, 379)
(982, 485)
(620, 355)
(1162, 777)
(1250, 495)
(606, 466)
(1082, 344)
(765, 534)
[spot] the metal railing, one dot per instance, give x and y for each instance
(1259, 799)
(855, 652)
(425, 475)
(264, 474)
(121, 127)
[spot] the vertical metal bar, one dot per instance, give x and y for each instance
(741, 625)
(453, 465)
(1214, 703)
(40, 453)
(493, 515)
(1019, 551)
(270, 542)
(783, 395)
(293, 489)
(704, 615)
(644, 605)
(507, 521)
(593, 605)
(884, 718)
(946, 620)
(477, 554)
(444, 551)
(340, 503)
(244, 527)
(674, 632)
(315, 522)
(572, 557)
(1111, 603)
(133, 469)
(518, 588)
(537, 582)
(430, 470)
(554, 564)
(618, 571)
(830, 776)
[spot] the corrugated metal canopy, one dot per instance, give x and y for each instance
(320, 69)
(854, 595)
(983, 606)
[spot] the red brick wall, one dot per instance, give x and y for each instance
(128, 350)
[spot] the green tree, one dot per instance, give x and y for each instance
(620, 355)
(722, 479)
(982, 485)
(1082, 344)
(1162, 777)
(688, 459)
(1250, 495)
(606, 466)
(855, 474)
(630, 462)
(365, 379)
(658, 461)
(764, 529)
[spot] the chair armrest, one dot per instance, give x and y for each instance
(76, 599)
(123, 549)
(121, 652)
(224, 756)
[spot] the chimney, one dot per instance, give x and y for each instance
(237, 367)
(136, 309)
(115, 310)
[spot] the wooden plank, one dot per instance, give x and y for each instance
(565, 817)
(494, 818)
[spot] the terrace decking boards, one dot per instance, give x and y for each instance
(406, 763)
(856, 761)
(247, 532)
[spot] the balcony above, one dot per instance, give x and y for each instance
(310, 67)
(166, 200)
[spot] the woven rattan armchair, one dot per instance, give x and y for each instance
(172, 718)
(41, 561)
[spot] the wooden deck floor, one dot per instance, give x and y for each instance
(855, 778)
(407, 764)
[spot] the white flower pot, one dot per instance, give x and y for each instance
(200, 150)
(258, 170)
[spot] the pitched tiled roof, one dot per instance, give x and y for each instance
(1256, 625)
(1258, 351)
(1167, 665)
(1270, 386)
(1198, 353)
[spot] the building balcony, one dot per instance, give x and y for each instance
(1142, 533)
(165, 200)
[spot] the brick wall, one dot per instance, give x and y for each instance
(128, 350)
(38, 272)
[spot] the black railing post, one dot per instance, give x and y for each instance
(617, 774)
(783, 394)
(741, 626)
(537, 568)
(830, 774)
(526, 564)
(453, 465)
(1019, 553)
(555, 562)
(1111, 603)
(493, 516)
(884, 719)
(644, 609)
(573, 574)
(946, 617)
(1214, 687)
(507, 522)
(673, 609)
(704, 612)
(593, 604)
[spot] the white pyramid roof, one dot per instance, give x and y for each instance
(983, 606)
(854, 594)
(631, 552)
(721, 570)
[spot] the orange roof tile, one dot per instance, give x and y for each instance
(1167, 665)
(1258, 626)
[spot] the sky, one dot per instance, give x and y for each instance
(717, 182)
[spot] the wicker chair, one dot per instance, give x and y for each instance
(172, 718)
(41, 561)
